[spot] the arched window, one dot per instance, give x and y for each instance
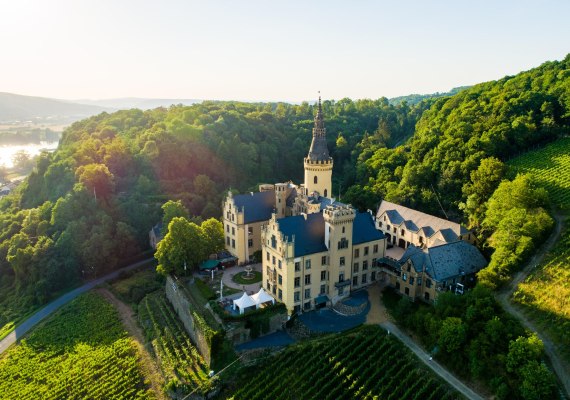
(326, 193)
(315, 180)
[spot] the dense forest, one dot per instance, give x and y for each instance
(88, 207)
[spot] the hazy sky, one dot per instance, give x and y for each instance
(271, 50)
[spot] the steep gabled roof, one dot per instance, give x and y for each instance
(256, 206)
(445, 261)
(308, 233)
(364, 229)
(417, 221)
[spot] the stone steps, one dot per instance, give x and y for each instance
(346, 310)
(299, 331)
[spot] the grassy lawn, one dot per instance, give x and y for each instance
(240, 278)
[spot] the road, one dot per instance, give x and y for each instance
(427, 360)
(28, 324)
(504, 296)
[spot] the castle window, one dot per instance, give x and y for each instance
(411, 280)
(375, 249)
(341, 277)
(341, 261)
(343, 229)
(297, 296)
(228, 240)
(364, 265)
(307, 264)
(249, 242)
(323, 289)
(356, 253)
(227, 228)
(297, 282)
(343, 244)
(315, 180)
(250, 230)
(267, 256)
(404, 277)
(280, 279)
(233, 243)
(307, 293)
(273, 260)
(279, 263)
(364, 279)
(373, 276)
(419, 281)
(233, 230)
(297, 266)
(326, 193)
(380, 224)
(268, 286)
(366, 251)
(324, 260)
(280, 294)
(273, 241)
(355, 267)
(308, 279)
(323, 275)
(428, 283)
(403, 232)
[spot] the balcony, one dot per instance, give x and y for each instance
(339, 284)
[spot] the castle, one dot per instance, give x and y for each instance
(316, 250)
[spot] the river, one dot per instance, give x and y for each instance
(33, 149)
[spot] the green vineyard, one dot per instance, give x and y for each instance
(81, 352)
(551, 167)
(545, 294)
(182, 366)
(365, 364)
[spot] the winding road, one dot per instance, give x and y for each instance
(504, 296)
(427, 360)
(28, 324)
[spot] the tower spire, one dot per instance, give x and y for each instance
(319, 150)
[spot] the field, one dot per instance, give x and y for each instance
(545, 295)
(551, 167)
(364, 364)
(181, 364)
(80, 352)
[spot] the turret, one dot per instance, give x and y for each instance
(318, 163)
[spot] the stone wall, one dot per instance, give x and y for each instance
(183, 309)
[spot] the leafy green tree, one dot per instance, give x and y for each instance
(170, 210)
(183, 244)
(537, 382)
(522, 351)
(97, 179)
(452, 334)
(213, 233)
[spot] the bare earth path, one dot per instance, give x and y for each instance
(561, 369)
(28, 324)
(150, 368)
(432, 364)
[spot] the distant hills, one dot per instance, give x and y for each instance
(136, 102)
(19, 108)
(15, 107)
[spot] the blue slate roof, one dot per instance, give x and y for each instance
(257, 206)
(446, 261)
(309, 233)
(364, 229)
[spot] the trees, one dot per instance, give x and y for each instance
(183, 244)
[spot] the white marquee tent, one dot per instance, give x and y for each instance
(262, 297)
(244, 302)
(256, 300)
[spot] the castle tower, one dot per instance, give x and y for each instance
(318, 163)
(339, 221)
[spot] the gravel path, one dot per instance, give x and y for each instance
(432, 364)
(561, 369)
(28, 324)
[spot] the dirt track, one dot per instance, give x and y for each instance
(150, 368)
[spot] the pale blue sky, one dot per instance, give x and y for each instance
(271, 50)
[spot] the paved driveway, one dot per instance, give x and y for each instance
(28, 324)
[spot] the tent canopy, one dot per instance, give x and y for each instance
(209, 265)
(243, 302)
(262, 297)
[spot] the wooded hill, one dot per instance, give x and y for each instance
(91, 203)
